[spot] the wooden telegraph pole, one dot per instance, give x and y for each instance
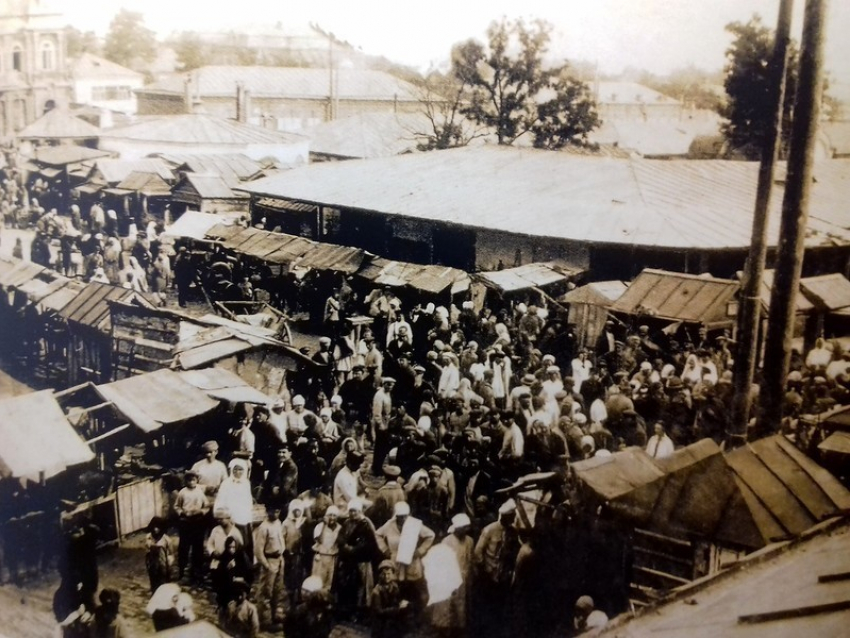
(795, 214)
(749, 313)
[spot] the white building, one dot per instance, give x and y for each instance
(104, 84)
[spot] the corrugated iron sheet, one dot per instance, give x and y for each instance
(342, 259)
(827, 292)
(27, 423)
(670, 204)
(159, 398)
(224, 385)
(678, 297)
(614, 476)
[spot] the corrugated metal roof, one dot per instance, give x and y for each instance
(199, 128)
(59, 124)
(342, 259)
(528, 276)
(678, 297)
(67, 154)
(117, 170)
(234, 167)
(159, 398)
(827, 292)
(282, 204)
(599, 293)
(667, 204)
(224, 385)
(208, 187)
(433, 279)
(784, 579)
(657, 136)
(90, 306)
(369, 135)
(787, 492)
(27, 424)
(288, 82)
(148, 184)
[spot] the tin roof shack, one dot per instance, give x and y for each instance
(471, 207)
(698, 509)
(791, 588)
(678, 301)
(535, 283)
(208, 194)
(35, 478)
(588, 309)
(830, 295)
(147, 339)
(89, 330)
(62, 168)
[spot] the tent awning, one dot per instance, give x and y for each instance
(36, 437)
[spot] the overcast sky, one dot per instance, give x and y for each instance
(658, 35)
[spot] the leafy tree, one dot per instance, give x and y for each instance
(442, 98)
(79, 42)
(129, 42)
(191, 52)
(748, 108)
(513, 93)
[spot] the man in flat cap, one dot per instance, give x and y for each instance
(494, 559)
(191, 507)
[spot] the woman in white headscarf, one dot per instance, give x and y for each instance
(234, 495)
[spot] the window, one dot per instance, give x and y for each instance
(17, 58)
(111, 93)
(48, 56)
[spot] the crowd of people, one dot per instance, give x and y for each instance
(376, 489)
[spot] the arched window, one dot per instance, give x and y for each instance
(48, 56)
(17, 58)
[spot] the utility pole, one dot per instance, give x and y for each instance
(795, 214)
(749, 313)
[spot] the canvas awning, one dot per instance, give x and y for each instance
(193, 224)
(224, 385)
(158, 398)
(36, 438)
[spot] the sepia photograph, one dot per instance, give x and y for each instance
(440, 320)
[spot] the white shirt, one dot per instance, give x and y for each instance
(659, 447)
(345, 487)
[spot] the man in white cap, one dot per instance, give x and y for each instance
(494, 559)
(312, 616)
(211, 472)
(295, 424)
(450, 617)
(405, 540)
(325, 548)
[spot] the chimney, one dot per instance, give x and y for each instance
(246, 105)
(238, 102)
(187, 94)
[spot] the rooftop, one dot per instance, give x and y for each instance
(59, 124)
(198, 128)
(90, 66)
(664, 204)
(288, 82)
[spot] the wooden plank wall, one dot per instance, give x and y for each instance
(138, 503)
(142, 341)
